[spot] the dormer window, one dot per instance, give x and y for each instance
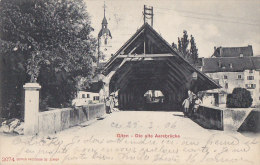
(241, 55)
(230, 65)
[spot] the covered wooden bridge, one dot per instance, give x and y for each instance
(147, 62)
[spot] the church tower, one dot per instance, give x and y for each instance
(104, 40)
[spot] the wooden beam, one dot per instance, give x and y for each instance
(172, 84)
(174, 81)
(179, 71)
(176, 78)
(169, 86)
(136, 45)
(146, 56)
(126, 46)
(181, 77)
(184, 67)
(124, 76)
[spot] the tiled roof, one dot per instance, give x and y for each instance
(256, 62)
(230, 64)
(233, 51)
(95, 87)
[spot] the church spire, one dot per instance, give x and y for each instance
(104, 9)
(104, 22)
(104, 30)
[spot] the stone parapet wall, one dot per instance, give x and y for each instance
(210, 117)
(59, 119)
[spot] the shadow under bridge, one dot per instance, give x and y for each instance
(164, 73)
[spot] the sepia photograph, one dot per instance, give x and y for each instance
(129, 82)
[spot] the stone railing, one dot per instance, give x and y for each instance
(210, 117)
(60, 119)
(228, 119)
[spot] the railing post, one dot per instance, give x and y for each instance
(31, 108)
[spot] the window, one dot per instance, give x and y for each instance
(239, 76)
(225, 77)
(87, 95)
(250, 77)
(250, 86)
(95, 98)
(226, 85)
(83, 96)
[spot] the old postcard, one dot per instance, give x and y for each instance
(130, 82)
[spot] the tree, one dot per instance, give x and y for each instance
(240, 98)
(193, 50)
(184, 44)
(191, 55)
(47, 41)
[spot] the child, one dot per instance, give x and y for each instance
(107, 102)
(186, 105)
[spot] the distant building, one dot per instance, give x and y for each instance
(246, 51)
(104, 40)
(90, 96)
(231, 69)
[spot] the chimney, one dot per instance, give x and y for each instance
(202, 61)
(215, 48)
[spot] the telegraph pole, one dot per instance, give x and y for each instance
(148, 14)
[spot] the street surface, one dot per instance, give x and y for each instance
(133, 137)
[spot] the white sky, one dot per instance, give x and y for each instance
(212, 22)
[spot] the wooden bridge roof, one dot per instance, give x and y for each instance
(147, 61)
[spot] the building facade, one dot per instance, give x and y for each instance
(232, 71)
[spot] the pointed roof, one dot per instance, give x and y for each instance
(104, 30)
(104, 22)
(156, 46)
(145, 27)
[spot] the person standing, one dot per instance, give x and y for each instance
(186, 105)
(191, 102)
(111, 100)
(107, 102)
(196, 106)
